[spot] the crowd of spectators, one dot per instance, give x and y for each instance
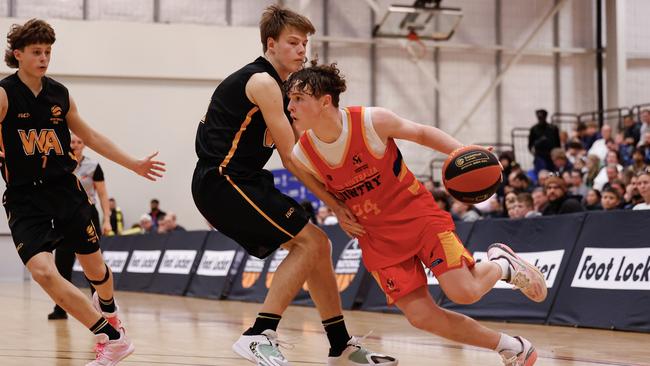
(155, 221)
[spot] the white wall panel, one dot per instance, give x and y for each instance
(354, 63)
(247, 13)
(477, 25)
(638, 82)
(637, 32)
(193, 11)
(578, 84)
(126, 10)
(519, 19)
(577, 24)
(60, 9)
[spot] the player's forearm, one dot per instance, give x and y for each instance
(439, 140)
(311, 183)
(105, 147)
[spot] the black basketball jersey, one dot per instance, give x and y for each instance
(35, 135)
(233, 134)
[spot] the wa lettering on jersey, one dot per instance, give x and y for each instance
(44, 141)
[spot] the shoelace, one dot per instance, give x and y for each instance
(509, 361)
(286, 344)
(359, 340)
(99, 349)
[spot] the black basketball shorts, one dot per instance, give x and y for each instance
(250, 210)
(49, 215)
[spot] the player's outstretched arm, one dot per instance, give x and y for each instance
(390, 125)
(146, 167)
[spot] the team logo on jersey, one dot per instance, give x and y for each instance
(45, 141)
(24, 115)
(92, 235)
(356, 159)
(390, 284)
(56, 111)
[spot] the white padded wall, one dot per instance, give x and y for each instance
(211, 12)
(61, 9)
(124, 10)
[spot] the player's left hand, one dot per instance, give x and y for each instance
(150, 168)
(348, 221)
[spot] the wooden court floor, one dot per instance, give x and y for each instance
(171, 330)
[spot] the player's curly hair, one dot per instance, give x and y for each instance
(318, 80)
(35, 31)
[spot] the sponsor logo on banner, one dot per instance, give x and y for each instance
(278, 257)
(143, 261)
(177, 261)
(216, 263)
(116, 260)
(252, 271)
(548, 262)
(613, 269)
(348, 265)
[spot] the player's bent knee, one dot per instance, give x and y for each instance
(464, 295)
(44, 275)
(420, 321)
(98, 277)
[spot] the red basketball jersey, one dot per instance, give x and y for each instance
(387, 199)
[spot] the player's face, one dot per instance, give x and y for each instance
(304, 109)
(34, 59)
(290, 49)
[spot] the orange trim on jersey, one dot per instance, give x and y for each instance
(365, 136)
(235, 141)
(257, 208)
(347, 145)
(375, 275)
(403, 171)
(2, 147)
(313, 165)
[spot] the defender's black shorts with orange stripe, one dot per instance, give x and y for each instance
(249, 209)
(51, 214)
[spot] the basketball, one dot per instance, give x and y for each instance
(471, 174)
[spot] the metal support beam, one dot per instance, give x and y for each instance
(228, 12)
(509, 65)
(557, 64)
(599, 60)
(11, 8)
(326, 31)
(156, 11)
(498, 59)
(374, 5)
(373, 65)
(615, 62)
(436, 93)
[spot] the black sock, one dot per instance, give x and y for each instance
(102, 326)
(107, 306)
(337, 334)
(263, 322)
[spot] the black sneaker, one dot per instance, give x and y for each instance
(57, 315)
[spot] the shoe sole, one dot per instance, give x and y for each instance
(528, 266)
(530, 361)
(128, 353)
(243, 352)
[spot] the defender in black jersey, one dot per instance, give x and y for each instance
(46, 205)
(245, 121)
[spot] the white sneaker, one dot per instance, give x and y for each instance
(109, 353)
(357, 355)
(523, 275)
(527, 357)
(112, 318)
(262, 350)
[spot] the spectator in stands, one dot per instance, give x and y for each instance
(643, 184)
(542, 176)
(593, 167)
(325, 216)
(609, 172)
(625, 150)
(599, 147)
(558, 202)
(507, 160)
(144, 226)
(442, 199)
(590, 134)
(464, 212)
(632, 196)
(618, 185)
(574, 151)
(511, 206)
(525, 206)
(638, 163)
(631, 128)
(577, 188)
(156, 214)
(610, 199)
(490, 208)
(592, 200)
(560, 161)
(168, 224)
(427, 182)
(519, 181)
(645, 126)
(540, 200)
(117, 218)
(645, 147)
(543, 138)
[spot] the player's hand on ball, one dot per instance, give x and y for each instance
(150, 168)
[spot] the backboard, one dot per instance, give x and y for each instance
(428, 20)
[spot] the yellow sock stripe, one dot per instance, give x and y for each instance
(100, 326)
(334, 322)
(257, 208)
(268, 317)
(105, 302)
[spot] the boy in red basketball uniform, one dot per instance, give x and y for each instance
(353, 153)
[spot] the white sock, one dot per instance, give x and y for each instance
(509, 344)
(505, 268)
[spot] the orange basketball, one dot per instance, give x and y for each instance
(471, 174)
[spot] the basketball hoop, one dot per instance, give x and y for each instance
(414, 46)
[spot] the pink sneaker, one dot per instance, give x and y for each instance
(527, 357)
(109, 353)
(112, 318)
(523, 275)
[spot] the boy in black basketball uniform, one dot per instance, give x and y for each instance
(46, 206)
(245, 120)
